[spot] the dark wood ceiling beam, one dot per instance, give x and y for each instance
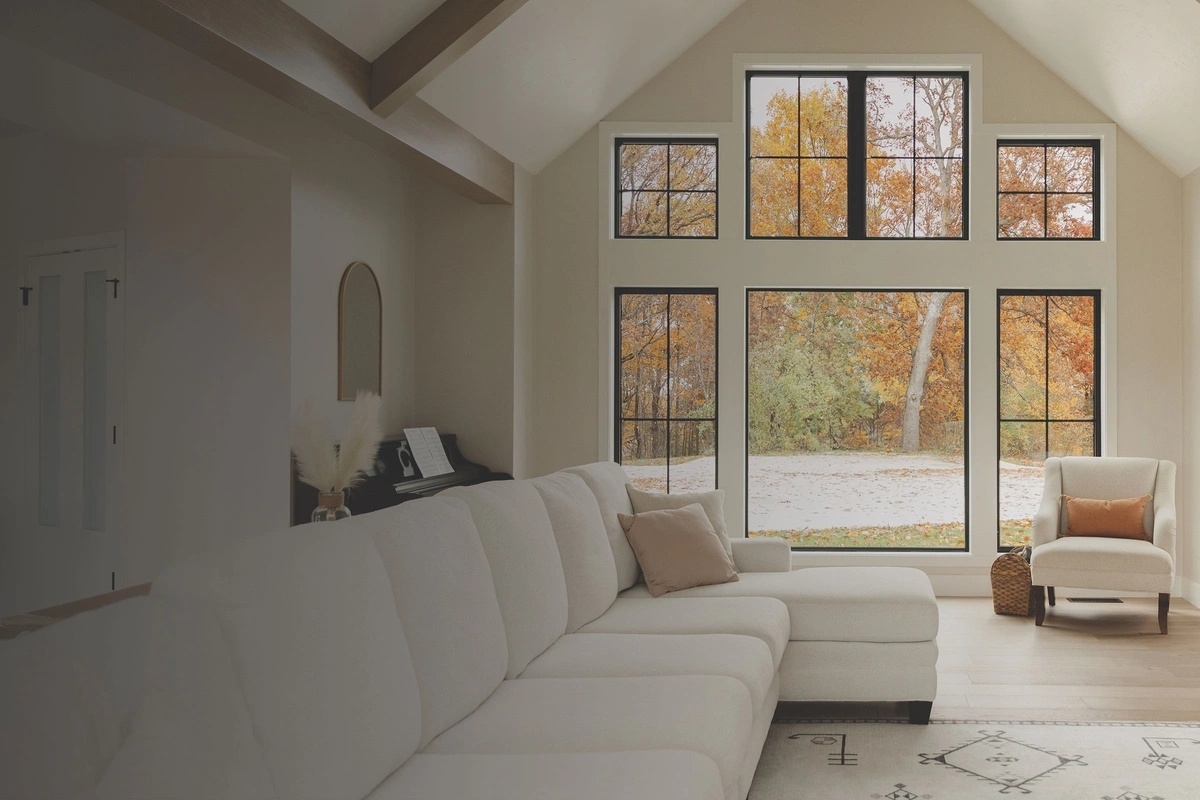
(435, 43)
(271, 46)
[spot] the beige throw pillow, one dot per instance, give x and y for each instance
(677, 549)
(712, 502)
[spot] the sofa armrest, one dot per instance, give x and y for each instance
(1164, 530)
(762, 555)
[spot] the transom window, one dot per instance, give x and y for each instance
(666, 426)
(857, 155)
(1049, 403)
(666, 188)
(1047, 190)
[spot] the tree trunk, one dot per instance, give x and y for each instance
(910, 431)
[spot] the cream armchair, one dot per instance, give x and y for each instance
(1102, 563)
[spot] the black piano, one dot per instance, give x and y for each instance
(396, 479)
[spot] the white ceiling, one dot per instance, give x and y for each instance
(1138, 61)
(368, 27)
(556, 67)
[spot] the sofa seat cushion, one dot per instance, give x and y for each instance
(707, 714)
(1102, 563)
(839, 604)
(762, 617)
(627, 655)
(644, 775)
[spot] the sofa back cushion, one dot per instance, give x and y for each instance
(112, 640)
(1111, 478)
(310, 621)
(524, 562)
(447, 603)
(192, 736)
(607, 481)
(587, 560)
(60, 724)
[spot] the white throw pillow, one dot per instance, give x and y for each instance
(712, 502)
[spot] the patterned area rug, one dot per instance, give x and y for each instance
(967, 760)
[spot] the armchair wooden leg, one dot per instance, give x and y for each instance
(919, 711)
(1039, 604)
(1050, 591)
(1164, 605)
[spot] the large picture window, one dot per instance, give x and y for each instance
(1049, 403)
(1047, 190)
(856, 418)
(666, 188)
(666, 381)
(858, 155)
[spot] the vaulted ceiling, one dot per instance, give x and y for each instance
(554, 68)
(1138, 61)
(547, 74)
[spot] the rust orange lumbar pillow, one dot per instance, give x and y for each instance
(1120, 519)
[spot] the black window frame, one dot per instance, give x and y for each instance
(966, 293)
(619, 419)
(856, 151)
(1045, 143)
(621, 141)
(1097, 391)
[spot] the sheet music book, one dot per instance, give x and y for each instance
(427, 449)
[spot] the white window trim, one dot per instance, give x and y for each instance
(980, 264)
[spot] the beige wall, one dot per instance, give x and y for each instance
(346, 207)
(207, 331)
(565, 300)
(1189, 489)
(1137, 266)
(464, 379)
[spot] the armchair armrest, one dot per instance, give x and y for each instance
(1046, 520)
(762, 555)
(1164, 529)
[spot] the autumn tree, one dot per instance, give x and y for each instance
(798, 181)
(667, 375)
(667, 188)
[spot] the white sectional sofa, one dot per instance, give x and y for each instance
(490, 642)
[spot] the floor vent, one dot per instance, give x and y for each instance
(1094, 599)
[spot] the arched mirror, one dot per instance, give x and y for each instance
(360, 318)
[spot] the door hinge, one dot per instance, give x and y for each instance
(25, 290)
(115, 282)
(114, 434)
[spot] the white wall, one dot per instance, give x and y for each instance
(48, 190)
(207, 357)
(119, 92)
(1137, 265)
(1189, 489)
(207, 332)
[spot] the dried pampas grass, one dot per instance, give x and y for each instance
(327, 467)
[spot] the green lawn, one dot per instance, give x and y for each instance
(926, 534)
(920, 535)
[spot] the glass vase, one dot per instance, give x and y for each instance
(331, 506)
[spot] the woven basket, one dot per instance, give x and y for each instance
(1011, 584)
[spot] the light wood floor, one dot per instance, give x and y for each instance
(1087, 662)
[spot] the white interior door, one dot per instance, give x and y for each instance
(74, 349)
